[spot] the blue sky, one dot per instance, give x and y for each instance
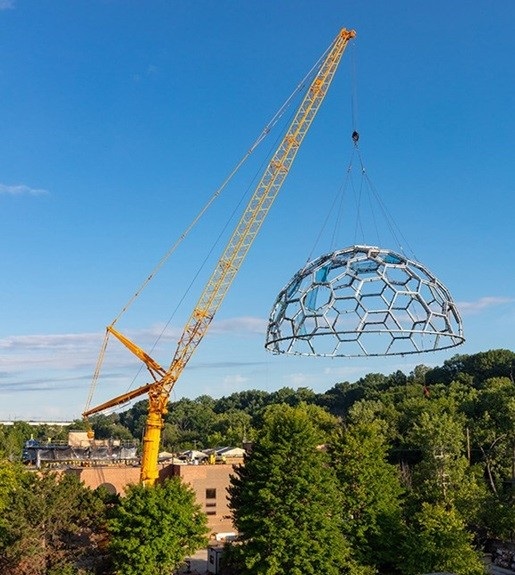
(121, 118)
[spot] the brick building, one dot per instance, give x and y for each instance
(209, 482)
(114, 478)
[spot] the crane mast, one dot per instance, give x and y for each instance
(227, 266)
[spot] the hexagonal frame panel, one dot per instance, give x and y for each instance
(368, 301)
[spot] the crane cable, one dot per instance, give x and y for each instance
(354, 94)
(392, 224)
(264, 133)
(365, 188)
(394, 229)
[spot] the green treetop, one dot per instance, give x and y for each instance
(286, 503)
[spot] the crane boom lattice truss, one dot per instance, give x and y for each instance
(227, 266)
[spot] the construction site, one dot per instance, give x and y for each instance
(338, 305)
(113, 465)
(360, 301)
(363, 298)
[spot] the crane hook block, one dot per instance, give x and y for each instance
(355, 137)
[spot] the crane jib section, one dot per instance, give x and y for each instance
(228, 265)
(256, 210)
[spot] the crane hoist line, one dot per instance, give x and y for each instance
(226, 268)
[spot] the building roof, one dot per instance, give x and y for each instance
(231, 451)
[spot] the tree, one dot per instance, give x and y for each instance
(12, 438)
(448, 372)
(231, 428)
(488, 364)
(444, 475)
(440, 438)
(250, 401)
(418, 375)
(154, 529)
(193, 419)
(170, 437)
(438, 541)
(341, 397)
(493, 430)
(49, 524)
(285, 501)
(293, 397)
(109, 427)
(480, 366)
(134, 418)
(370, 487)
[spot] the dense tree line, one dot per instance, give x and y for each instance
(206, 422)
(394, 474)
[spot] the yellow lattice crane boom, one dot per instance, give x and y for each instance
(226, 268)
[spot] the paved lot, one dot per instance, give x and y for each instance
(198, 563)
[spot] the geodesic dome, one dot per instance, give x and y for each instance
(363, 301)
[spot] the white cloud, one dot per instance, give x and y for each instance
(20, 189)
(472, 307)
(297, 379)
(234, 380)
(24, 354)
(6, 4)
(50, 342)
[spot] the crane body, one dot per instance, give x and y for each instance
(226, 268)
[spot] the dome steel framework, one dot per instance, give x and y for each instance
(363, 301)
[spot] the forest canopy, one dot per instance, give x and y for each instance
(423, 464)
(472, 384)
